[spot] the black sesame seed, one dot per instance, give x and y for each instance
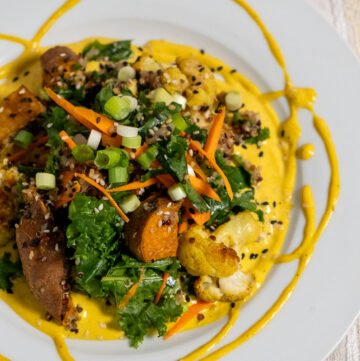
(261, 154)
(98, 120)
(265, 203)
(192, 210)
(15, 79)
(254, 256)
(232, 304)
(35, 242)
(198, 83)
(196, 92)
(266, 250)
(282, 134)
(12, 115)
(193, 78)
(200, 317)
(273, 222)
(26, 73)
(242, 255)
(187, 298)
(219, 68)
(202, 51)
(274, 204)
(232, 71)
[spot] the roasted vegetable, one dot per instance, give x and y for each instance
(201, 255)
(152, 231)
(17, 110)
(42, 252)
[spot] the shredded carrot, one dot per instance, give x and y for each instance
(86, 117)
(166, 179)
(195, 145)
(68, 195)
(132, 291)
(162, 287)
(108, 141)
(197, 169)
(184, 226)
(67, 177)
(193, 311)
(203, 188)
(134, 185)
(199, 218)
(67, 139)
(215, 133)
(105, 192)
(22, 153)
(141, 150)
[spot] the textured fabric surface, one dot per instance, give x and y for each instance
(344, 15)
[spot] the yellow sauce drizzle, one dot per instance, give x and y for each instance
(282, 173)
(306, 151)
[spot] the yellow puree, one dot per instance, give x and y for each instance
(278, 167)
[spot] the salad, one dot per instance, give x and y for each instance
(120, 180)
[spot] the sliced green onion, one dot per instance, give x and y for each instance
(118, 108)
(107, 159)
(130, 203)
(179, 99)
(148, 157)
(233, 101)
(126, 131)
(126, 73)
(94, 139)
(160, 95)
(177, 192)
(133, 102)
(179, 122)
(124, 157)
(45, 181)
(23, 139)
(118, 175)
(132, 142)
(83, 153)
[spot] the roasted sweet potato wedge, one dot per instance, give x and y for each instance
(17, 110)
(42, 252)
(152, 232)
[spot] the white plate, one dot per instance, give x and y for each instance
(328, 297)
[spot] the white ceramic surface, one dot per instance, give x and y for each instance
(327, 298)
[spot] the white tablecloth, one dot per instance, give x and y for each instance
(345, 16)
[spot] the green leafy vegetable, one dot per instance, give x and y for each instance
(141, 315)
(172, 156)
(8, 271)
(118, 50)
(93, 235)
(102, 97)
(263, 135)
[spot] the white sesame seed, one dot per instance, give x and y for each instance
(63, 55)
(102, 325)
(169, 205)
(22, 91)
(50, 125)
(46, 231)
(159, 223)
(31, 255)
(43, 259)
(1, 109)
(55, 229)
(101, 207)
(57, 247)
(169, 229)
(96, 210)
(47, 216)
(16, 226)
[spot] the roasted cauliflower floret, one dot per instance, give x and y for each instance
(240, 229)
(227, 289)
(146, 63)
(201, 255)
(202, 89)
(174, 81)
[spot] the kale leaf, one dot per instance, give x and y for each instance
(141, 315)
(93, 236)
(116, 51)
(172, 156)
(8, 271)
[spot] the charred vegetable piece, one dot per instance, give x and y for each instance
(152, 232)
(17, 110)
(57, 62)
(42, 252)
